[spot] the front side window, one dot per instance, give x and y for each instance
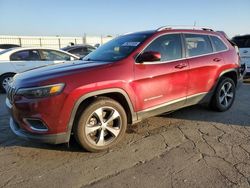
(118, 48)
(52, 55)
(25, 55)
(218, 44)
(197, 45)
(169, 46)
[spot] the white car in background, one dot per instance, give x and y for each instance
(243, 43)
(16, 60)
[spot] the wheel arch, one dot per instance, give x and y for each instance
(231, 73)
(115, 93)
(7, 73)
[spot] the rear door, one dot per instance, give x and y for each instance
(165, 81)
(25, 59)
(243, 42)
(203, 63)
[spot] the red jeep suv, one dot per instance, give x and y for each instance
(132, 77)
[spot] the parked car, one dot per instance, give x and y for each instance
(7, 46)
(16, 60)
(130, 78)
(97, 45)
(243, 42)
(79, 50)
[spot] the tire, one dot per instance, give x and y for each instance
(224, 95)
(101, 125)
(3, 81)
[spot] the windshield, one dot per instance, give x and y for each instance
(117, 48)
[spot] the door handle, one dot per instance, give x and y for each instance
(216, 59)
(181, 65)
(245, 51)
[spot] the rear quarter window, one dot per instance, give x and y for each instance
(197, 44)
(218, 44)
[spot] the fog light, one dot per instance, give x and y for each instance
(36, 124)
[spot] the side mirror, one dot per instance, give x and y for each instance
(149, 56)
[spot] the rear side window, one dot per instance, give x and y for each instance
(242, 41)
(26, 55)
(197, 45)
(169, 46)
(218, 44)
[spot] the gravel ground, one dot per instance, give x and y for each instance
(192, 147)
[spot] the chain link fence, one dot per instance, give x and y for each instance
(52, 42)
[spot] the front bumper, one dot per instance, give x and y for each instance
(43, 138)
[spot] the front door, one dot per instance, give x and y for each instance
(162, 82)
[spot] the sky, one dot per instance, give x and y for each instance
(113, 17)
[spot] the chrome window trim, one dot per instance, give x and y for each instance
(184, 58)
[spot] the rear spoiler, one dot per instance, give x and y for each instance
(229, 40)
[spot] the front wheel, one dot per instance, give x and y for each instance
(224, 95)
(101, 125)
(4, 80)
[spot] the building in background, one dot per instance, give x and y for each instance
(52, 42)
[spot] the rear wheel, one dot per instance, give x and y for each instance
(4, 80)
(101, 125)
(224, 95)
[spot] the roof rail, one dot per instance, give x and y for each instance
(183, 27)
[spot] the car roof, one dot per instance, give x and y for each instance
(34, 48)
(76, 46)
(166, 29)
(241, 36)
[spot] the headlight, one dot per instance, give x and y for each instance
(43, 91)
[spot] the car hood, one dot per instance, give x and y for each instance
(55, 71)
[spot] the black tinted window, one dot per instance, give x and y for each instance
(242, 41)
(218, 44)
(197, 45)
(169, 46)
(76, 51)
(25, 55)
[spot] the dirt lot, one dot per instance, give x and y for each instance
(192, 147)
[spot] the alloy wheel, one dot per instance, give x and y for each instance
(226, 94)
(103, 126)
(6, 81)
